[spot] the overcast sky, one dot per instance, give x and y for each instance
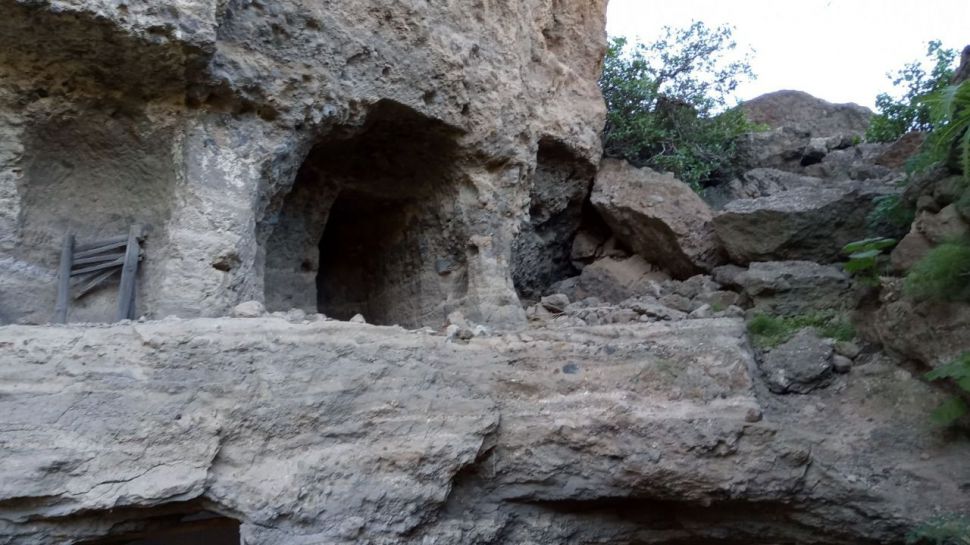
(839, 50)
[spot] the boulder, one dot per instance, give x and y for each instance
(912, 248)
(855, 163)
(800, 365)
(782, 148)
(801, 110)
(756, 183)
(943, 226)
(788, 288)
(658, 217)
(901, 151)
(801, 224)
(930, 332)
(611, 280)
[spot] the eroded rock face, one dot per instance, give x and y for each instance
(334, 432)
(659, 217)
(930, 332)
(232, 131)
(813, 115)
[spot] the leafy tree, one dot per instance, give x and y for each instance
(906, 111)
(667, 102)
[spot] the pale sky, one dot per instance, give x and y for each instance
(839, 50)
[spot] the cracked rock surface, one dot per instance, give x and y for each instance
(332, 432)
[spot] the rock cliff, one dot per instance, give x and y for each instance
(233, 130)
(389, 294)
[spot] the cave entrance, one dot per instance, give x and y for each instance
(373, 225)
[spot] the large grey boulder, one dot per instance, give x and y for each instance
(758, 182)
(930, 332)
(801, 110)
(800, 365)
(782, 148)
(658, 217)
(854, 163)
(790, 288)
(612, 280)
(807, 223)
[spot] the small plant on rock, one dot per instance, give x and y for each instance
(770, 331)
(864, 258)
(943, 275)
(890, 211)
(958, 371)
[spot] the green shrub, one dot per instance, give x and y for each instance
(667, 103)
(958, 371)
(943, 275)
(905, 112)
(890, 211)
(949, 141)
(769, 331)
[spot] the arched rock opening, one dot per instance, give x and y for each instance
(373, 225)
(541, 251)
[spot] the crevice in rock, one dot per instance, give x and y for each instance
(559, 192)
(178, 523)
(634, 521)
(373, 224)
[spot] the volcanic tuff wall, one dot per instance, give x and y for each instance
(231, 129)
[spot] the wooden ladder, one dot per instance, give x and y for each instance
(92, 264)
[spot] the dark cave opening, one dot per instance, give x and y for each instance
(179, 528)
(373, 225)
(559, 191)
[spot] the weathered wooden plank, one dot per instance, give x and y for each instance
(94, 284)
(99, 243)
(95, 268)
(64, 280)
(98, 259)
(126, 292)
(100, 249)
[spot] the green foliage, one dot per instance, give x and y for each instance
(958, 371)
(864, 256)
(945, 530)
(666, 102)
(891, 210)
(769, 331)
(949, 142)
(905, 112)
(943, 275)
